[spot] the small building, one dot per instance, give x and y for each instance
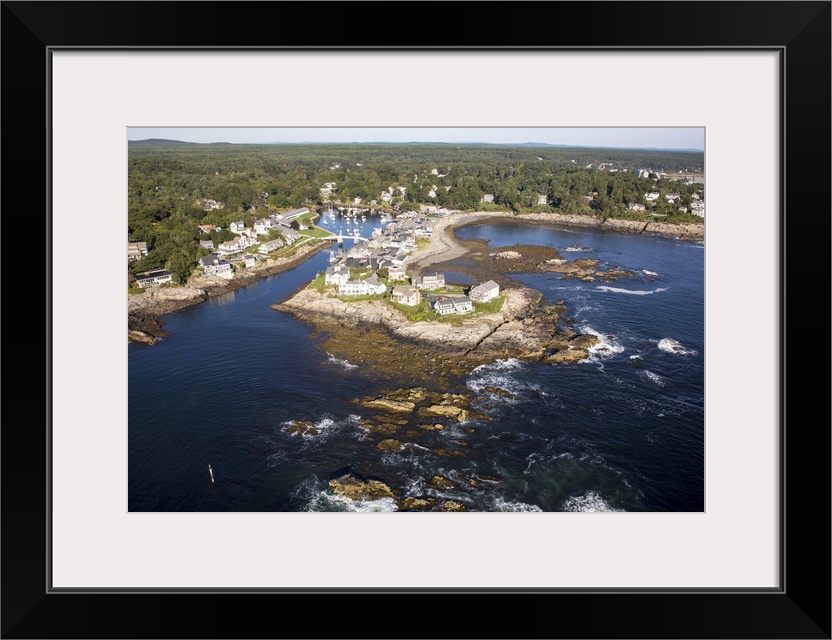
(333, 275)
(151, 278)
(374, 286)
(429, 281)
(238, 226)
(396, 272)
(541, 199)
(485, 291)
(271, 245)
(671, 197)
(462, 304)
(406, 295)
(229, 247)
(290, 235)
(637, 206)
(136, 251)
(250, 259)
(652, 196)
(488, 197)
(206, 228)
(294, 213)
(262, 226)
(207, 244)
(443, 306)
(213, 265)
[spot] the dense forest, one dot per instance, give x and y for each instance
(169, 184)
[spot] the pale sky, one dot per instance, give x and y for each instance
(624, 137)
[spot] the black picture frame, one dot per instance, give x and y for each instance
(800, 608)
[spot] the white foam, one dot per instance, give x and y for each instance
(655, 378)
(649, 273)
(507, 505)
(499, 365)
(607, 347)
(590, 502)
(635, 357)
(326, 426)
(630, 291)
(324, 501)
(669, 345)
(578, 249)
(344, 363)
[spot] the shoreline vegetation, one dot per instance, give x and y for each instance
(473, 341)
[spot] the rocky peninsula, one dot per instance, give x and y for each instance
(377, 336)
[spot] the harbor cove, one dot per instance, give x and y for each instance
(575, 383)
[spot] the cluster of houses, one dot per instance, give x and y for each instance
(214, 264)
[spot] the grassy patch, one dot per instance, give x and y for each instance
(492, 306)
(420, 313)
(315, 232)
(422, 243)
(134, 290)
(319, 283)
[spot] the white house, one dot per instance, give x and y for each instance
(251, 259)
(488, 197)
(333, 276)
(485, 291)
(215, 266)
(271, 245)
(396, 272)
(229, 247)
(136, 250)
(429, 281)
(652, 196)
(406, 295)
(637, 206)
(671, 197)
(444, 305)
(238, 226)
(541, 199)
(262, 226)
(290, 235)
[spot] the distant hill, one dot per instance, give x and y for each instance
(161, 142)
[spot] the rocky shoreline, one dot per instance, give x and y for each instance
(145, 309)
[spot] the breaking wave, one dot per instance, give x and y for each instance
(322, 429)
(344, 363)
(606, 348)
(490, 379)
(630, 291)
(669, 345)
(508, 505)
(654, 377)
(590, 502)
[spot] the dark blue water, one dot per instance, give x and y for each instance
(621, 431)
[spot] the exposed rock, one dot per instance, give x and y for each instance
(444, 410)
(381, 428)
(302, 428)
(566, 356)
(432, 427)
(390, 445)
(452, 505)
(401, 406)
(507, 255)
(416, 504)
(438, 482)
(141, 336)
(357, 489)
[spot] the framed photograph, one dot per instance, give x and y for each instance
(89, 523)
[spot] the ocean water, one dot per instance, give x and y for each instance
(621, 431)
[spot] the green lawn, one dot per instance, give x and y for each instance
(492, 306)
(315, 232)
